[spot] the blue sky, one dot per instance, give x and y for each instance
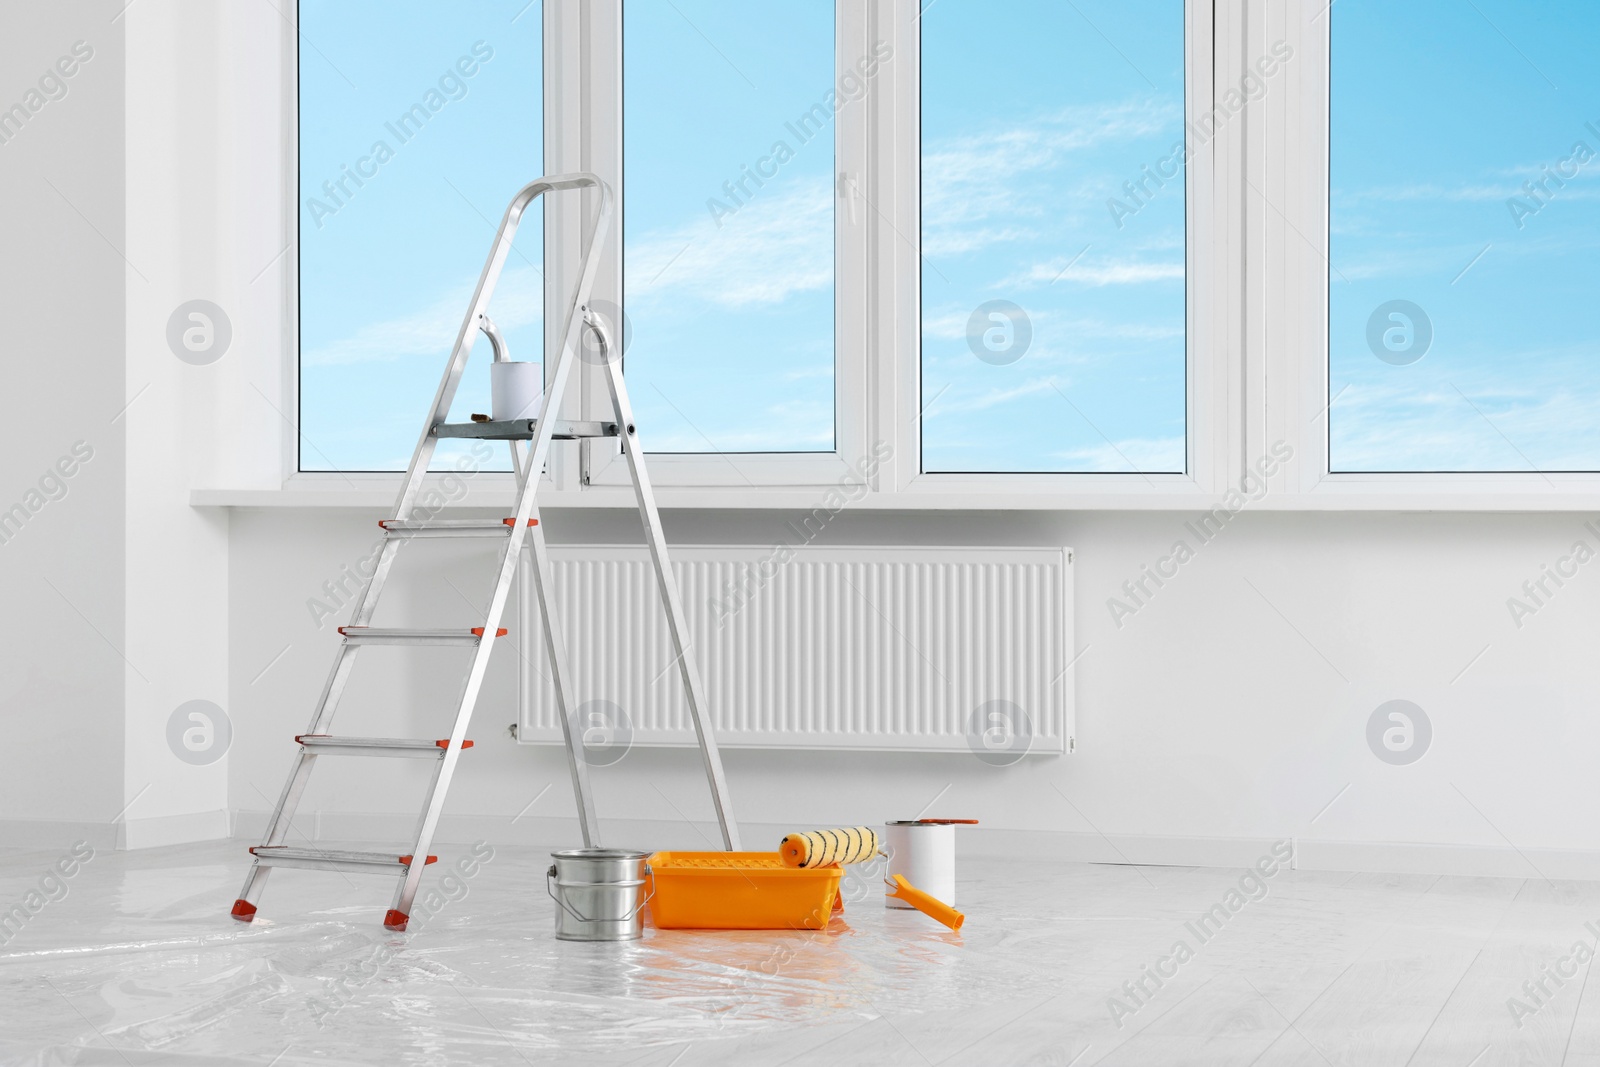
(1034, 115)
(1441, 110)
(386, 278)
(730, 295)
(731, 303)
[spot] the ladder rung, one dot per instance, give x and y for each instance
(327, 859)
(524, 429)
(414, 748)
(375, 635)
(414, 528)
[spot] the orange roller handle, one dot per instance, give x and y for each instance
(929, 906)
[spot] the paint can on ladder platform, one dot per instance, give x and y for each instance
(515, 390)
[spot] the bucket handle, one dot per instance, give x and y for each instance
(550, 875)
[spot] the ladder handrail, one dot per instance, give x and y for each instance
(487, 278)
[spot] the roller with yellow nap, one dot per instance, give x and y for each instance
(825, 848)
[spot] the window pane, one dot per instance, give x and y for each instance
(728, 122)
(418, 122)
(1465, 236)
(1053, 236)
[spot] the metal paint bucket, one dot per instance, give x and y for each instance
(599, 893)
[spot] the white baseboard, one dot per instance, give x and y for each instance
(1144, 850)
(128, 834)
(1476, 861)
(59, 836)
(384, 828)
(181, 829)
(1149, 850)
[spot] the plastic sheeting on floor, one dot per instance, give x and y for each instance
(133, 959)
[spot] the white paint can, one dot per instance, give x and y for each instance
(515, 390)
(924, 854)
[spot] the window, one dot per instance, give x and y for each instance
(728, 213)
(1053, 236)
(967, 254)
(417, 125)
(1465, 237)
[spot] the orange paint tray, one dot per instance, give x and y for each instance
(739, 891)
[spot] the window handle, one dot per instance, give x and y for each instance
(849, 192)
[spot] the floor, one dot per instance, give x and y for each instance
(132, 960)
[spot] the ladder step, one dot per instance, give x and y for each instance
(415, 748)
(410, 529)
(524, 429)
(328, 859)
(374, 635)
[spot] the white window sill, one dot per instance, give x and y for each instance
(1402, 493)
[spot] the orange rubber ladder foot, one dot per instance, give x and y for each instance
(396, 921)
(243, 910)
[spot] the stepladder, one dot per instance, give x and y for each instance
(521, 543)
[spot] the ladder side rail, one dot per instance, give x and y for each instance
(428, 820)
(536, 586)
(543, 582)
(533, 469)
(677, 625)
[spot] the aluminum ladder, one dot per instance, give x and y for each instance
(412, 523)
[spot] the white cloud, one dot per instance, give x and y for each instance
(969, 180)
(1123, 330)
(1141, 454)
(1511, 185)
(956, 241)
(1539, 412)
(1101, 273)
(950, 327)
(768, 250)
(518, 301)
(778, 244)
(801, 425)
(1429, 192)
(946, 405)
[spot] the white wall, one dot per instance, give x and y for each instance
(62, 634)
(130, 188)
(1231, 709)
(198, 228)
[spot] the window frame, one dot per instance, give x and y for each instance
(365, 481)
(878, 311)
(1206, 260)
(601, 125)
(1293, 278)
(1257, 218)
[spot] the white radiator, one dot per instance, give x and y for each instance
(904, 649)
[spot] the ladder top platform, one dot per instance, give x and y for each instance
(525, 429)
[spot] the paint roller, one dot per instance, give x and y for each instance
(857, 844)
(827, 848)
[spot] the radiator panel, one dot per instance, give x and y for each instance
(879, 649)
